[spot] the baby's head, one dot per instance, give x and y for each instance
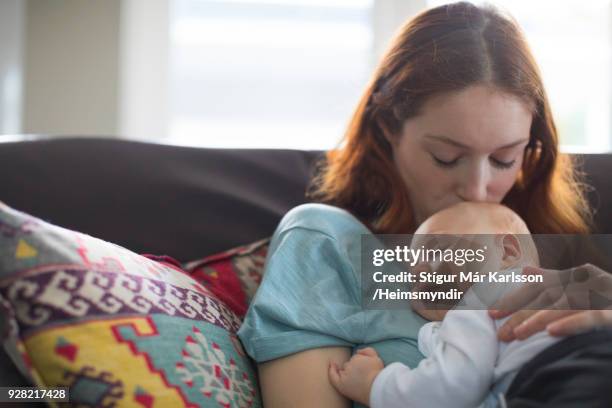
(470, 226)
(486, 223)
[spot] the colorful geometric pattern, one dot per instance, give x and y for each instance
(59, 295)
(117, 328)
(233, 275)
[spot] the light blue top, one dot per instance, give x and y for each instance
(310, 295)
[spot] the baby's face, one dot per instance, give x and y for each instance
(464, 228)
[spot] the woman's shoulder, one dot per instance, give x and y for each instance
(322, 218)
(314, 242)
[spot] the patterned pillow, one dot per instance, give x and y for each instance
(233, 275)
(113, 326)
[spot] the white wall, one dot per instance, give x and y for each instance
(71, 67)
(11, 44)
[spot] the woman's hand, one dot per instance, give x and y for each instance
(567, 302)
(354, 378)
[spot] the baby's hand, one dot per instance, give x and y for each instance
(355, 378)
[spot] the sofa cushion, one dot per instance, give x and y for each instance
(115, 327)
(233, 275)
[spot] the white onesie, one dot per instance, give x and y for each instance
(465, 365)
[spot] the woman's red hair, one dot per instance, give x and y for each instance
(446, 49)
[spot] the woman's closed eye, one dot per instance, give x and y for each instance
(444, 163)
(500, 164)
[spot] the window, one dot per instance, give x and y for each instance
(277, 73)
(288, 73)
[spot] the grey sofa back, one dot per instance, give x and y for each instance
(181, 201)
(185, 202)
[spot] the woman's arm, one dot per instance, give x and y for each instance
(307, 311)
(301, 379)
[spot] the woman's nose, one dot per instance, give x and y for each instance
(473, 185)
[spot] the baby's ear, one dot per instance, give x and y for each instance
(511, 249)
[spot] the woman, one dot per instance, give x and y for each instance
(456, 111)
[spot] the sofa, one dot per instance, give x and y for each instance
(181, 201)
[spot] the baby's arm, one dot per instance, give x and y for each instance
(458, 373)
(355, 377)
(429, 337)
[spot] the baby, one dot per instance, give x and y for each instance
(465, 365)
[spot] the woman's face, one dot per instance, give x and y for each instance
(463, 146)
